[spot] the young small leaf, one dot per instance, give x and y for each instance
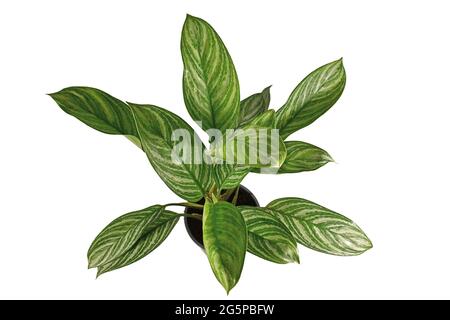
(120, 235)
(319, 228)
(155, 233)
(189, 178)
(302, 156)
(317, 93)
(253, 106)
(268, 238)
(98, 110)
(225, 240)
(210, 82)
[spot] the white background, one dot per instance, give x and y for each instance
(62, 182)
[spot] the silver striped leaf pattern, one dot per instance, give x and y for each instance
(319, 228)
(253, 106)
(229, 176)
(265, 119)
(98, 110)
(120, 235)
(244, 147)
(268, 237)
(210, 82)
(155, 233)
(187, 179)
(256, 136)
(302, 156)
(315, 94)
(225, 241)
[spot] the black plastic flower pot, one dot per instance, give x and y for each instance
(194, 226)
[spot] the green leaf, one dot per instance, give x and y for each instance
(177, 160)
(210, 82)
(265, 119)
(302, 156)
(225, 240)
(268, 238)
(120, 235)
(155, 233)
(319, 228)
(317, 93)
(250, 146)
(98, 110)
(229, 176)
(253, 106)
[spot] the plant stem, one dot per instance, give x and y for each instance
(214, 190)
(227, 194)
(193, 215)
(235, 197)
(185, 204)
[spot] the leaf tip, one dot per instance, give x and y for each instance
(100, 271)
(340, 62)
(92, 263)
(59, 96)
(54, 95)
(190, 17)
(292, 255)
(370, 244)
(296, 258)
(228, 289)
(327, 157)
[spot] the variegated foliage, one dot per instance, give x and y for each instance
(212, 97)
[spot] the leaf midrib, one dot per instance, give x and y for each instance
(202, 190)
(304, 104)
(131, 227)
(202, 64)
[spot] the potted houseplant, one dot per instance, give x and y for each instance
(245, 136)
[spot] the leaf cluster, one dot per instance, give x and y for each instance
(212, 98)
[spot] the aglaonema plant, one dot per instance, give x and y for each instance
(208, 179)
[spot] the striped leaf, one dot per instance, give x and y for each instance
(253, 106)
(225, 241)
(255, 147)
(268, 238)
(266, 119)
(155, 233)
(98, 110)
(319, 228)
(184, 172)
(120, 235)
(229, 176)
(302, 156)
(317, 93)
(210, 82)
